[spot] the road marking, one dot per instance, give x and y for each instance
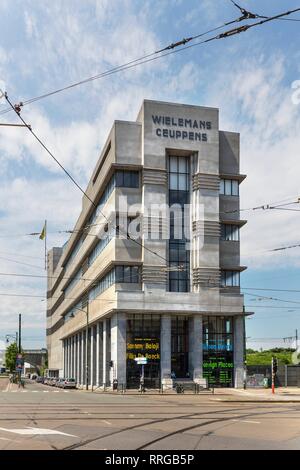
(36, 431)
(131, 416)
(107, 422)
(246, 421)
(45, 391)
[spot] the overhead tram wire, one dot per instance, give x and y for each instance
(255, 15)
(17, 108)
(92, 280)
(170, 49)
(73, 180)
(124, 66)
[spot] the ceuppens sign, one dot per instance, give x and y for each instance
(182, 128)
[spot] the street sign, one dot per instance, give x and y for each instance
(141, 360)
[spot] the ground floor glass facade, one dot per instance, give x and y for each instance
(218, 360)
(143, 339)
(169, 342)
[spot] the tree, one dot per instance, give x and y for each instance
(11, 356)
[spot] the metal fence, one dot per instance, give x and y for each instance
(286, 376)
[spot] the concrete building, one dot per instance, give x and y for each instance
(126, 285)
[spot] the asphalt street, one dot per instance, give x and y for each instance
(42, 417)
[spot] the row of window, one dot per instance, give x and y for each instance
(74, 281)
(124, 274)
(121, 274)
(120, 178)
(99, 247)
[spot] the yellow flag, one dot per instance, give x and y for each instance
(43, 233)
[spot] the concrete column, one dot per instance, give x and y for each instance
(82, 360)
(165, 350)
(97, 353)
(104, 375)
(69, 357)
(238, 351)
(78, 358)
(118, 347)
(64, 356)
(196, 349)
(92, 357)
(72, 356)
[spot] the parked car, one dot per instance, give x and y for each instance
(53, 381)
(40, 380)
(66, 383)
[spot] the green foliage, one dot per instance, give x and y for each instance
(264, 358)
(10, 357)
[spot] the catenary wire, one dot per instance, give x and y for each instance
(152, 56)
(122, 66)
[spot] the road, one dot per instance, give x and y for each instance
(42, 417)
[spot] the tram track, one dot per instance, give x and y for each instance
(162, 420)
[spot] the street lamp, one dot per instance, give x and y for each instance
(15, 337)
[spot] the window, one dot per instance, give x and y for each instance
(178, 173)
(73, 282)
(99, 247)
(129, 274)
(230, 232)
(179, 278)
(230, 278)
(218, 350)
(180, 346)
(229, 187)
(127, 179)
(121, 178)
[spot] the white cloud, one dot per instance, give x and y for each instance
(257, 103)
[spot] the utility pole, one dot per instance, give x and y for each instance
(20, 333)
(296, 338)
(274, 370)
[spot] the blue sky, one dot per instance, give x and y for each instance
(46, 45)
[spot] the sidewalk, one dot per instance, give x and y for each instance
(282, 394)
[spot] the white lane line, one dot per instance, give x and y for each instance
(45, 391)
(107, 422)
(245, 421)
(36, 431)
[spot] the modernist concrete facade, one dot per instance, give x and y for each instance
(111, 298)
